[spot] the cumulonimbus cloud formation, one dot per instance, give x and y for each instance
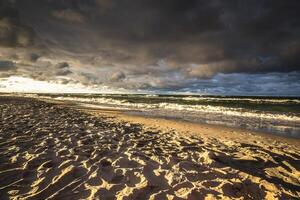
(149, 43)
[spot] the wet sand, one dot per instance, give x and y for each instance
(56, 151)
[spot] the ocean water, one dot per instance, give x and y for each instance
(276, 115)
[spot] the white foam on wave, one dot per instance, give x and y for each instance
(260, 100)
(241, 112)
(230, 111)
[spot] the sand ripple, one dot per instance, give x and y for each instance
(53, 152)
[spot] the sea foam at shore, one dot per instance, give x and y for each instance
(276, 115)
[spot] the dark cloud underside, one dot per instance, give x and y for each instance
(156, 40)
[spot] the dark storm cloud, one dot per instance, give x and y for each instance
(287, 84)
(31, 57)
(233, 35)
(62, 69)
(12, 30)
(63, 72)
(157, 44)
(117, 76)
(6, 65)
(62, 65)
(69, 15)
(38, 70)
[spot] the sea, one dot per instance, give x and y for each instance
(275, 115)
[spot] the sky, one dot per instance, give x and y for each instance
(234, 47)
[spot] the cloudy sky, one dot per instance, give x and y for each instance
(234, 47)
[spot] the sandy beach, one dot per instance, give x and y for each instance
(50, 150)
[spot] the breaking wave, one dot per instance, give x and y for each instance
(276, 115)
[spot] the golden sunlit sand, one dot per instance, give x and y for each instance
(56, 151)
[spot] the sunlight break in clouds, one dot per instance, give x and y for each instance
(21, 84)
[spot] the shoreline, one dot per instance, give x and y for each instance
(130, 115)
(135, 113)
(187, 126)
(271, 123)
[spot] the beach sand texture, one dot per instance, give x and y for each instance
(51, 151)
